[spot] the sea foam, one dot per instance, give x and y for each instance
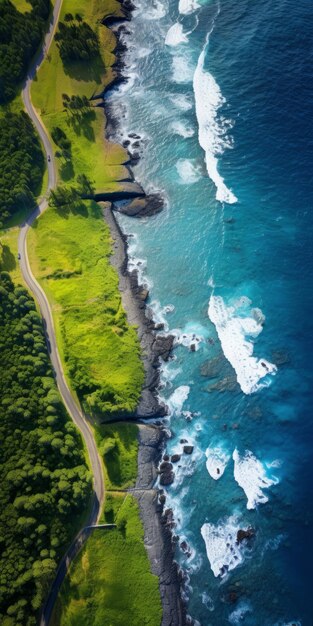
(235, 334)
(223, 551)
(176, 400)
(179, 128)
(188, 171)
(181, 101)
(217, 459)
(250, 475)
(186, 7)
(182, 69)
(212, 133)
(175, 35)
(238, 615)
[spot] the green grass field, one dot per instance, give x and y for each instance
(22, 5)
(118, 446)
(69, 254)
(110, 583)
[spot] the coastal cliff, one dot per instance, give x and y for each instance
(158, 526)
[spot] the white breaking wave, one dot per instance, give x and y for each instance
(233, 332)
(223, 551)
(186, 7)
(179, 128)
(217, 459)
(182, 69)
(188, 172)
(212, 133)
(176, 400)
(181, 101)
(176, 35)
(250, 475)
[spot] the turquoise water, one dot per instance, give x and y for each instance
(242, 72)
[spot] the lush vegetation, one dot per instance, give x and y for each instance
(69, 250)
(62, 96)
(20, 36)
(44, 479)
(21, 164)
(118, 446)
(77, 41)
(111, 583)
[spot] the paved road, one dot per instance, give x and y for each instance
(71, 405)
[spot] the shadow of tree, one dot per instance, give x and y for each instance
(67, 170)
(81, 123)
(86, 71)
(8, 261)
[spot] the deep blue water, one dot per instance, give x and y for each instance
(257, 85)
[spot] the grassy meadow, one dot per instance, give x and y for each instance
(110, 583)
(69, 254)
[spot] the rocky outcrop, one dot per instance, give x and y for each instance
(242, 534)
(142, 206)
(158, 525)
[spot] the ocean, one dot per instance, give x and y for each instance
(220, 95)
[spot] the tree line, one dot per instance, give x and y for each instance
(76, 40)
(20, 36)
(45, 482)
(21, 163)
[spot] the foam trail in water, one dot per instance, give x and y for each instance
(188, 171)
(233, 332)
(212, 133)
(176, 35)
(179, 128)
(223, 551)
(181, 101)
(158, 11)
(186, 7)
(250, 475)
(176, 400)
(238, 615)
(217, 459)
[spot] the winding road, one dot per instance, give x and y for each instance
(73, 408)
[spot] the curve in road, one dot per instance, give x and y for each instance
(71, 405)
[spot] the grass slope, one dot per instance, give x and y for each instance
(69, 255)
(110, 584)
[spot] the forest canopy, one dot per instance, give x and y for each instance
(77, 42)
(20, 36)
(21, 163)
(44, 479)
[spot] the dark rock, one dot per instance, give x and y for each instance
(188, 449)
(245, 534)
(143, 206)
(183, 441)
(166, 457)
(184, 546)
(162, 346)
(165, 466)
(175, 458)
(143, 294)
(193, 347)
(159, 326)
(167, 478)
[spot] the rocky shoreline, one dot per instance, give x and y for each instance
(158, 523)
